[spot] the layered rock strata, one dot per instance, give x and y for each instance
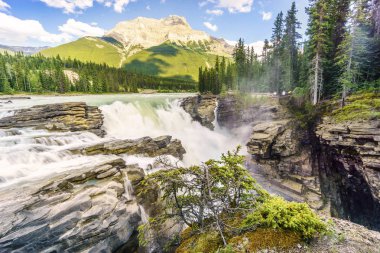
(76, 116)
(349, 165)
(201, 109)
(87, 209)
(145, 146)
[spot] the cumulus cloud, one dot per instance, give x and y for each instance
(266, 15)
(77, 6)
(4, 6)
(79, 29)
(235, 6)
(15, 31)
(258, 47)
(215, 12)
(69, 6)
(211, 26)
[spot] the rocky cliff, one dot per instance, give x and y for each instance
(349, 167)
(201, 109)
(333, 166)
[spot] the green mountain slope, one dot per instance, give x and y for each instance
(92, 49)
(166, 60)
(170, 60)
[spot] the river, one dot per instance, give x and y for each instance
(28, 154)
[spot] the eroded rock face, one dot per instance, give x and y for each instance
(350, 169)
(75, 116)
(145, 146)
(232, 113)
(201, 109)
(282, 151)
(87, 209)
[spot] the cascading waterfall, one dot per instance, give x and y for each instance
(27, 154)
(134, 120)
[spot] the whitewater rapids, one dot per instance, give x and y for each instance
(27, 154)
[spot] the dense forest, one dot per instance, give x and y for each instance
(341, 54)
(38, 74)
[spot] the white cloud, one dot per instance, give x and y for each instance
(258, 47)
(4, 6)
(163, 1)
(211, 26)
(215, 12)
(148, 7)
(203, 3)
(119, 5)
(77, 6)
(69, 6)
(235, 6)
(79, 29)
(15, 31)
(266, 15)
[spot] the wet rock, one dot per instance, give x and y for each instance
(74, 116)
(349, 164)
(88, 209)
(145, 146)
(201, 108)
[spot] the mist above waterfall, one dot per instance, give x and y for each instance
(134, 120)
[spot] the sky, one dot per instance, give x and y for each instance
(54, 22)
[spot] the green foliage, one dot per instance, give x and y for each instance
(171, 61)
(276, 213)
(360, 107)
(88, 49)
(39, 74)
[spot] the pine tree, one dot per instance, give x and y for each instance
(291, 37)
(318, 42)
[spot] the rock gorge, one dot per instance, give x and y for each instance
(98, 207)
(334, 167)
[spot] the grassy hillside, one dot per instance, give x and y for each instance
(170, 60)
(166, 60)
(89, 49)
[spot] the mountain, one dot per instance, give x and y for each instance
(25, 50)
(166, 47)
(149, 32)
(91, 49)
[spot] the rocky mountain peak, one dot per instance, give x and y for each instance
(176, 20)
(149, 32)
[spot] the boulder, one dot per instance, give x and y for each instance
(201, 108)
(145, 146)
(75, 116)
(87, 209)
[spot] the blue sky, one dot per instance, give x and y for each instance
(53, 22)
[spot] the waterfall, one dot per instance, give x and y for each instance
(27, 154)
(134, 120)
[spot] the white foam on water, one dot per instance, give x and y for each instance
(28, 154)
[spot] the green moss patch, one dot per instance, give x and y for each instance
(360, 107)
